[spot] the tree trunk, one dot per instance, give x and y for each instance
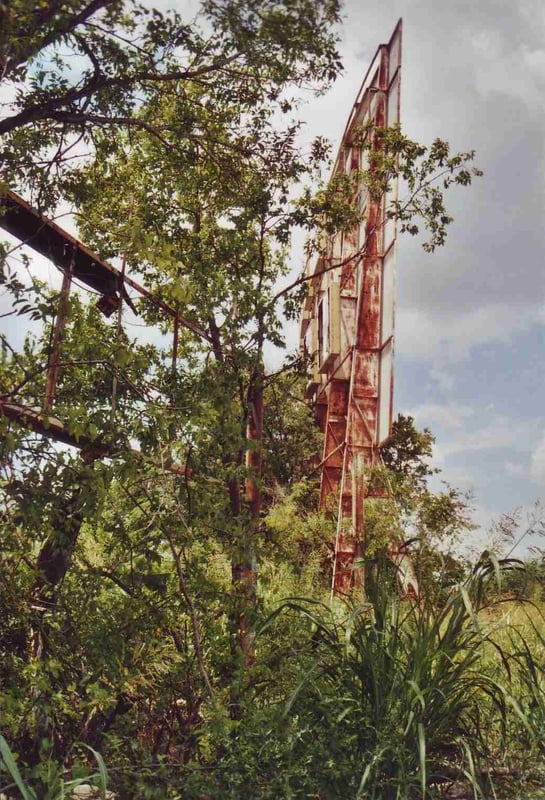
(54, 560)
(245, 569)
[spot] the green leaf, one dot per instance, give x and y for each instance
(422, 756)
(12, 768)
(102, 772)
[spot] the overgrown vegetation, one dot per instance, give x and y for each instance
(135, 630)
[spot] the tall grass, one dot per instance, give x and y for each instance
(526, 658)
(386, 700)
(401, 698)
(50, 785)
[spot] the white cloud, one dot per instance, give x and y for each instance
(515, 468)
(450, 415)
(444, 380)
(466, 429)
(537, 463)
(499, 432)
(449, 339)
(459, 477)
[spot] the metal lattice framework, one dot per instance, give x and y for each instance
(76, 262)
(348, 328)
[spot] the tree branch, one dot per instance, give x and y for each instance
(44, 17)
(46, 110)
(197, 639)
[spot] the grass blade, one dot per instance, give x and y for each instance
(102, 772)
(422, 756)
(12, 768)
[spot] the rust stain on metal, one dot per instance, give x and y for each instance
(352, 391)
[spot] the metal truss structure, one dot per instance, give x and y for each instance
(76, 263)
(348, 328)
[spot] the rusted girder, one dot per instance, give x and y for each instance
(49, 426)
(27, 224)
(347, 328)
(52, 428)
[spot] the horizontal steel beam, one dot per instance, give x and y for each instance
(49, 426)
(52, 428)
(44, 236)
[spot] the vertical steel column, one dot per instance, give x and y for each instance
(118, 329)
(53, 360)
(363, 398)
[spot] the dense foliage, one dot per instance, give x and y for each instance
(135, 629)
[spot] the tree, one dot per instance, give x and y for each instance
(431, 523)
(190, 178)
(126, 52)
(204, 103)
(166, 109)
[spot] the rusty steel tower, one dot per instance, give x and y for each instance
(347, 328)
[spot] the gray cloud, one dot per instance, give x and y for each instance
(473, 73)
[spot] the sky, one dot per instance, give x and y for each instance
(470, 330)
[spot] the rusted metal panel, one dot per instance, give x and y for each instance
(338, 398)
(388, 290)
(334, 440)
(369, 308)
(385, 391)
(329, 327)
(366, 372)
(359, 381)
